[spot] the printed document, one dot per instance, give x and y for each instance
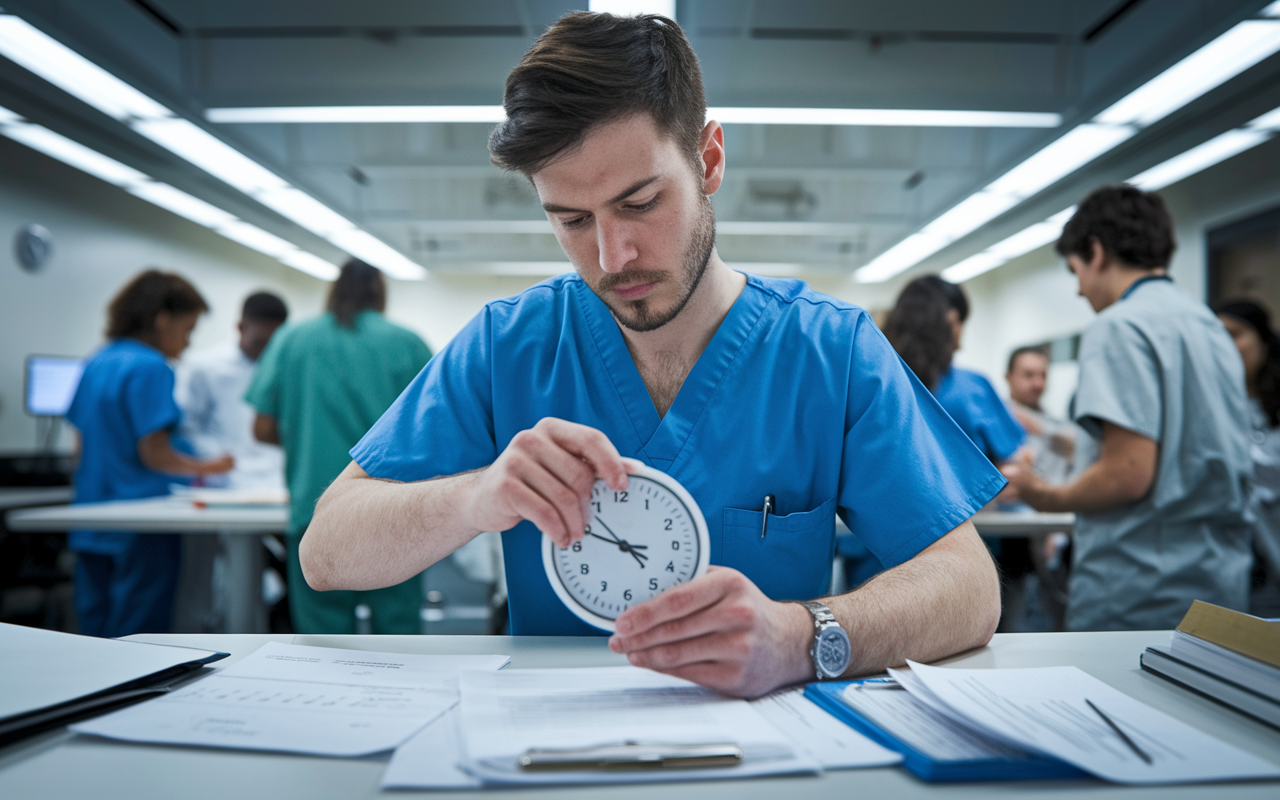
(301, 699)
(829, 741)
(1044, 709)
(505, 714)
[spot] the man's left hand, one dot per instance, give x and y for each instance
(719, 631)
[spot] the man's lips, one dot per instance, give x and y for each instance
(635, 291)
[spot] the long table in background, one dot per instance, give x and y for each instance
(62, 765)
(28, 496)
(243, 526)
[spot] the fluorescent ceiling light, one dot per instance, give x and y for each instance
(182, 204)
(58, 64)
(357, 114)
(909, 118)
(1078, 147)
(1212, 65)
(1214, 151)
(256, 238)
(1269, 121)
(726, 115)
(1272, 10)
(627, 8)
(367, 247)
(1021, 243)
(305, 210)
(902, 256)
(73, 153)
(974, 211)
(311, 264)
(210, 154)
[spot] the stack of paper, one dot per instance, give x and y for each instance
(1231, 657)
(1064, 713)
(501, 715)
(301, 699)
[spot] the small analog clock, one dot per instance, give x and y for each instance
(638, 543)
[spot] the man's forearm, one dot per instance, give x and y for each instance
(943, 601)
(368, 533)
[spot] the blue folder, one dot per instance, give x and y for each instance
(1031, 767)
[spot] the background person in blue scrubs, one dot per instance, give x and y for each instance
(656, 350)
(925, 327)
(124, 411)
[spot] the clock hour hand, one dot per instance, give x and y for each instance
(624, 545)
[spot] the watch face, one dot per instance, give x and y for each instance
(833, 652)
(638, 543)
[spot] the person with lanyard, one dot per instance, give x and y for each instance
(655, 350)
(926, 327)
(317, 388)
(125, 415)
(1162, 467)
(1250, 327)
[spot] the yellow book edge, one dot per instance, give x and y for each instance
(1247, 635)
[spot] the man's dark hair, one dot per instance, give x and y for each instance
(264, 307)
(1038, 349)
(1133, 227)
(918, 328)
(133, 310)
(590, 69)
(359, 287)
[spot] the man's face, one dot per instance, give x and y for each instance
(633, 217)
(254, 336)
(1027, 379)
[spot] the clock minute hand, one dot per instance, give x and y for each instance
(624, 545)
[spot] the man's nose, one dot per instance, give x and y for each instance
(615, 245)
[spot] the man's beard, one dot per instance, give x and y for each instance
(640, 315)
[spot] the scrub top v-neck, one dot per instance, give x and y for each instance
(797, 395)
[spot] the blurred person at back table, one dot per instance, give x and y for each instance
(211, 387)
(319, 386)
(926, 326)
(125, 414)
(1051, 440)
(1250, 327)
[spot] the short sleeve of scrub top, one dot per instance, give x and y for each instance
(1119, 380)
(797, 395)
(972, 402)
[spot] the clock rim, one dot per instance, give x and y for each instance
(699, 530)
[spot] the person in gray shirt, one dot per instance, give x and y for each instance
(1161, 477)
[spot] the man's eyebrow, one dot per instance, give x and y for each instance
(630, 190)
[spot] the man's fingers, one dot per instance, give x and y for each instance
(722, 647)
(591, 446)
(675, 603)
(722, 617)
(530, 505)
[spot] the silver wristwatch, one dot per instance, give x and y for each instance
(830, 651)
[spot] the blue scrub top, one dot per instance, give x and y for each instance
(797, 395)
(972, 402)
(125, 393)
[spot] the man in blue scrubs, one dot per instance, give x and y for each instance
(656, 350)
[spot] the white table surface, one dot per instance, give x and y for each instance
(243, 525)
(25, 496)
(62, 765)
(1022, 523)
(153, 515)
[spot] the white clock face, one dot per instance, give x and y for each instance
(638, 543)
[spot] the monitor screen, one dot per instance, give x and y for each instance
(51, 383)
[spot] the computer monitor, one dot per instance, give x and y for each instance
(51, 383)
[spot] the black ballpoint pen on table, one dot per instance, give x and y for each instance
(1132, 745)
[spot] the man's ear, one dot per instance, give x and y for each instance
(711, 149)
(1098, 258)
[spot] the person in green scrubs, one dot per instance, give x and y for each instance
(319, 386)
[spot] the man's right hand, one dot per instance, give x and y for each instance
(545, 475)
(217, 466)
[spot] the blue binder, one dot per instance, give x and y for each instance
(925, 767)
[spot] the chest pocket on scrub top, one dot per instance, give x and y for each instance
(793, 560)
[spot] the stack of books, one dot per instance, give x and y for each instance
(1226, 656)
